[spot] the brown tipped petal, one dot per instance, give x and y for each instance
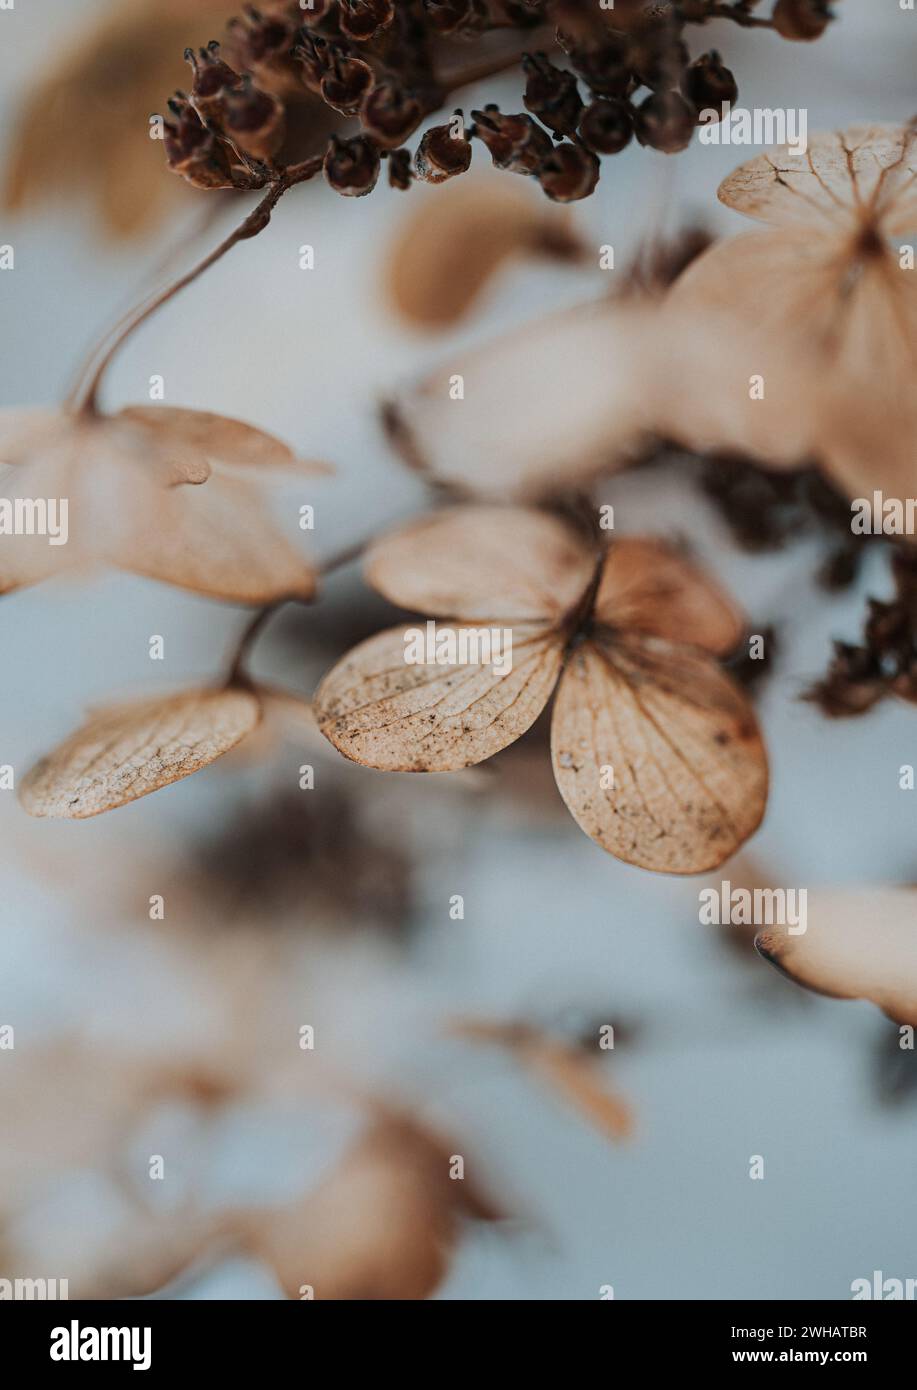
(857, 945)
(380, 710)
(509, 563)
(657, 754)
(648, 586)
(124, 753)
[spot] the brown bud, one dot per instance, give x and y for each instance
(314, 57)
(665, 122)
(254, 120)
(193, 151)
(363, 19)
(802, 19)
(352, 166)
(390, 114)
(658, 58)
(444, 151)
(551, 94)
(211, 78)
(261, 45)
(569, 173)
(607, 125)
(516, 143)
(346, 83)
(708, 84)
(400, 174)
(605, 70)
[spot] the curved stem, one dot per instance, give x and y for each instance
(86, 398)
(237, 674)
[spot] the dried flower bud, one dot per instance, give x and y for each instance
(569, 173)
(444, 151)
(261, 45)
(193, 151)
(363, 19)
(456, 16)
(551, 94)
(254, 120)
(658, 58)
(516, 143)
(801, 19)
(390, 114)
(607, 126)
(708, 84)
(400, 173)
(212, 77)
(606, 70)
(347, 82)
(665, 122)
(313, 55)
(352, 166)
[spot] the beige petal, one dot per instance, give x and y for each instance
(123, 753)
(545, 406)
(858, 944)
(195, 435)
(24, 431)
(478, 563)
(382, 1226)
(456, 238)
(765, 305)
(682, 745)
(218, 539)
(838, 182)
(380, 711)
(648, 586)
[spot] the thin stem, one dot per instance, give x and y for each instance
(237, 674)
(255, 222)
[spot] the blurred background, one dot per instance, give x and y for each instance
(330, 908)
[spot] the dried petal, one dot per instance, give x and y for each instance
(657, 754)
(127, 751)
(385, 713)
(505, 564)
(857, 945)
(648, 586)
(191, 438)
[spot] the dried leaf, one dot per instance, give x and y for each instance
(482, 563)
(648, 586)
(841, 175)
(125, 752)
(455, 240)
(380, 711)
(545, 406)
(382, 1226)
(857, 945)
(688, 770)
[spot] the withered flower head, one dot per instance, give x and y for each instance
(352, 166)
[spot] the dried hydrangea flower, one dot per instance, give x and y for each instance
(629, 636)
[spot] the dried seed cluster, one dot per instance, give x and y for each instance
(616, 75)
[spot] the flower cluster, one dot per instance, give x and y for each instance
(616, 75)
